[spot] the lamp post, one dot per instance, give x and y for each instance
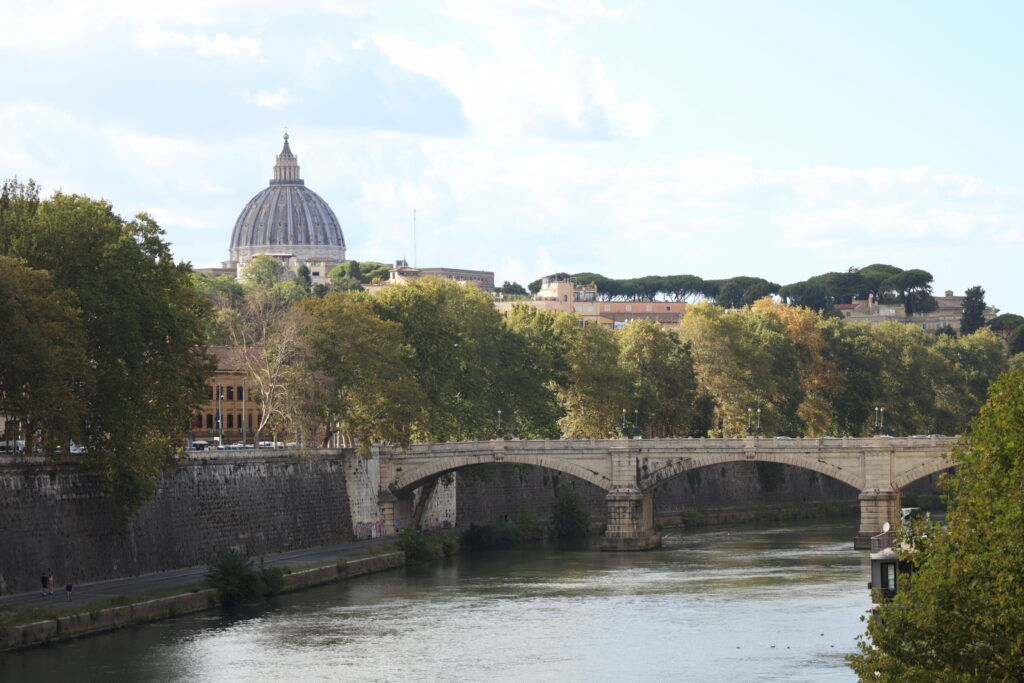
(881, 423)
(625, 432)
(220, 414)
(636, 423)
(750, 426)
(759, 432)
(501, 432)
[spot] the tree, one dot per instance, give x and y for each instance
(456, 338)
(44, 372)
(1015, 342)
(145, 329)
(1005, 323)
(304, 278)
(512, 288)
(597, 388)
(913, 289)
(973, 317)
(660, 370)
(263, 271)
(960, 616)
(357, 369)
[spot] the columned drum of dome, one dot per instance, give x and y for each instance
(287, 218)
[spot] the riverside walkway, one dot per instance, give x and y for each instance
(91, 593)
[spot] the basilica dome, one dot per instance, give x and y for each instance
(287, 218)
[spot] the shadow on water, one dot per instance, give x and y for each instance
(750, 602)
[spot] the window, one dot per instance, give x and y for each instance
(239, 393)
(316, 273)
(238, 422)
(889, 576)
(231, 394)
(250, 422)
(231, 421)
(629, 307)
(668, 308)
(650, 308)
(209, 421)
(210, 387)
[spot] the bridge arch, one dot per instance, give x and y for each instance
(681, 465)
(407, 480)
(921, 471)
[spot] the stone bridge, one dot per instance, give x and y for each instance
(632, 470)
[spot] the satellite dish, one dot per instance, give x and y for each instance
(886, 527)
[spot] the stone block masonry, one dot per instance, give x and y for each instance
(56, 517)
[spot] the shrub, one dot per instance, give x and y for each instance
(236, 580)
(415, 545)
(569, 515)
(486, 536)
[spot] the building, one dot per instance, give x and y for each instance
(231, 414)
(946, 315)
(565, 295)
(287, 221)
(403, 272)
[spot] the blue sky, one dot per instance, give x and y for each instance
(778, 139)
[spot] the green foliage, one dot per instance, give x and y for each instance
(353, 371)
(419, 547)
(263, 271)
(1006, 322)
(961, 617)
(973, 317)
(44, 371)
(597, 388)
(569, 514)
(1015, 342)
(145, 328)
(660, 370)
(236, 580)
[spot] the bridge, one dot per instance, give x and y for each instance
(631, 471)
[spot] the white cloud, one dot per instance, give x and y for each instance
(153, 38)
(278, 99)
(522, 92)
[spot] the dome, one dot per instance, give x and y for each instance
(287, 218)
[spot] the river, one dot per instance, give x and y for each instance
(737, 604)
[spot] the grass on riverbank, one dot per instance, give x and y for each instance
(13, 616)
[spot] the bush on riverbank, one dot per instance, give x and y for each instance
(420, 548)
(236, 580)
(569, 515)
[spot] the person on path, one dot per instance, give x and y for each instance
(45, 581)
(49, 584)
(68, 589)
(3, 584)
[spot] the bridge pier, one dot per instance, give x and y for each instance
(877, 506)
(395, 510)
(630, 520)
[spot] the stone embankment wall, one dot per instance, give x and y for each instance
(55, 517)
(503, 492)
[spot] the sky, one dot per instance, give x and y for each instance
(626, 137)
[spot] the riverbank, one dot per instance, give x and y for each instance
(32, 626)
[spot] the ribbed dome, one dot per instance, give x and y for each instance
(287, 218)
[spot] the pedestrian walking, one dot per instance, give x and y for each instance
(44, 580)
(68, 589)
(3, 584)
(49, 584)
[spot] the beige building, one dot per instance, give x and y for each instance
(948, 313)
(230, 414)
(565, 295)
(403, 272)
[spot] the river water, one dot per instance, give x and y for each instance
(738, 603)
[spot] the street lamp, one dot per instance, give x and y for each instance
(625, 431)
(636, 428)
(501, 432)
(759, 432)
(750, 426)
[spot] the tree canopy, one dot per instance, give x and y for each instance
(960, 615)
(144, 327)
